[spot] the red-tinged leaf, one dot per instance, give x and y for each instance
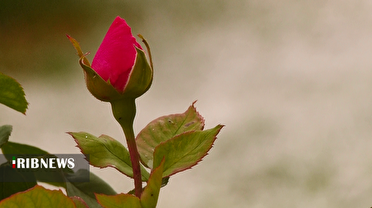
(79, 202)
(185, 150)
(105, 151)
(38, 197)
(165, 128)
(119, 201)
(150, 194)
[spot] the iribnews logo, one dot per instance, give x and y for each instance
(44, 168)
(48, 163)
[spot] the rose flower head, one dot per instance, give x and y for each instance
(119, 69)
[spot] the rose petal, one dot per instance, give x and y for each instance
(116, 55)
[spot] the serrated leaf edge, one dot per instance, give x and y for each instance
(201, 158)
(192, 107)
(144, 178)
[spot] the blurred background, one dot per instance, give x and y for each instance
(291, 80)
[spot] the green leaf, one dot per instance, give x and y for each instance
(38, 197)
(12, 148)
(95, 184)
(150, 194)
(185, 150)
(21, 149)
(79, 202)
(165, 128)
(5, 132)
(148, 199)
(26, 180)
(105, 151)
(119, 201)
(86, 190)
(11, 94)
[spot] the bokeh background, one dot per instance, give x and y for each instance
(291, 80)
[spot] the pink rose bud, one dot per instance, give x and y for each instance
(119, 69)
(116, 55)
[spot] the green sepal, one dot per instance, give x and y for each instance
(141, 76)
(139, 81)
(99, 88)
(78, 49)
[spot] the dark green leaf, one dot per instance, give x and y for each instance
(11, 94)
(105, 151)
(5, 132)
(86, 190)
(95, 184)
(165, 128)
(12, 148)
(21, 149)
(185, 150)
(25, 180)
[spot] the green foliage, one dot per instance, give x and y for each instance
(79, 203)
(167, 145)
(12, 148)
(21, 149)
(11, 94)
(185, 150)
(5, 132)
(149, 197)
(105, 151)
(25, 180)
(83, 190)
(165, 128)
(38, 197)
(119, 201)
(86, 190)
(170, 143)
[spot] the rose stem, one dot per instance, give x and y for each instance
(124, 112)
